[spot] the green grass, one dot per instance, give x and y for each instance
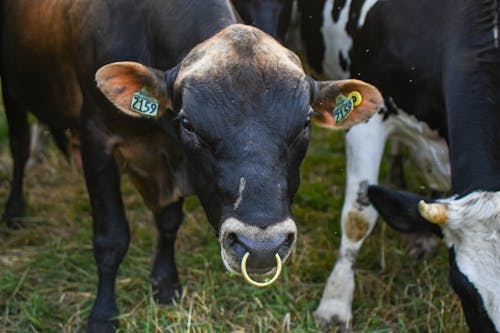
(48, 275)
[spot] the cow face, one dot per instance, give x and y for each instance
(244, 107)
(272, 16)
(471, 228)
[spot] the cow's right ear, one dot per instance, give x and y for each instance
(135, 89)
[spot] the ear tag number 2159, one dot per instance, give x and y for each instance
(143, 103)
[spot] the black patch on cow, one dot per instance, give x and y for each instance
(354, 11)
(476, 316)
(343, 62)
(338, 5)
(400, 210)
(311, 23)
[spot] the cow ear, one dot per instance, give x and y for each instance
(400, 210)
(135, 89)
(345, 103)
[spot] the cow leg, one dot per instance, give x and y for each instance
(37, 145)
(111, 231)
(164, 277)
(19, 139)
(364, 149)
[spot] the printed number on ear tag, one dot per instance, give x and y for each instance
(344, 105)
(143, 103)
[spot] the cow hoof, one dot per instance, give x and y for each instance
(102, 326)
(13, 222)
(13, 214)
(166, 293)
(333, 313)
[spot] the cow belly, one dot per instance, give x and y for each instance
(428, 150)
(158, 174)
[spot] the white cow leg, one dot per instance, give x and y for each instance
(37, 145)
(364, 149)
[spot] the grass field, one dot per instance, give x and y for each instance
(48, 275)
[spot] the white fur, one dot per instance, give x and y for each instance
(428, 150)
(364, 11)
(473, 229)
(336, 41)
(241, 188)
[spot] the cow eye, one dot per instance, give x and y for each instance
(186, 124)
(308, 121)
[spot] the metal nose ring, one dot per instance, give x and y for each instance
(260, 284)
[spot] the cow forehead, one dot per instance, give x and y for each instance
(234, 46)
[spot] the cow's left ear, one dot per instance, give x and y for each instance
(135, 89)
(345, 103)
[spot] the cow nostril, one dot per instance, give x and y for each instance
(233, 245)
(290, 239)
(230, 239)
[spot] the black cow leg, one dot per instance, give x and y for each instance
(111, 231)
(19, 137)
(164, 277)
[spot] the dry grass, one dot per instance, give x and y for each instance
(48, 279)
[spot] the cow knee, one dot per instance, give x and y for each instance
(109, 251)
(356, 226)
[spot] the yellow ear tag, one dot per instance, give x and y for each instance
(356, 98)
(344, 105)
(143, 103)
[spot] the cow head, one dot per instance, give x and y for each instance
(244, 107)
(272, 16)
(471, 228)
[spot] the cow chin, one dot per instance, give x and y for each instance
(262, 243)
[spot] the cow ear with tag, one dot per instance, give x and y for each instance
(135, 89)
(345, 103)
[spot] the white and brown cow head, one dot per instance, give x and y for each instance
(244, 107)
(470, 226)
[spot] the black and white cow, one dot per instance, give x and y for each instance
(226, 118)
(437, 65)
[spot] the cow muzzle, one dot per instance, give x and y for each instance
(252, 250)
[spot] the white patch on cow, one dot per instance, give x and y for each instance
(473, 229)
(233, 225)
(337, 296)
(364, 11)
(37, 145)
(337, 41)
(241, 188)
(428, 149)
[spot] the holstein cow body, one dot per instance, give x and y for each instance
(236, 136)
(437, 65)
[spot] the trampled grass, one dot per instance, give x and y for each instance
(48, 275)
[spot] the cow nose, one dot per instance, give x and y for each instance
(261, 243)
(262, 253)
